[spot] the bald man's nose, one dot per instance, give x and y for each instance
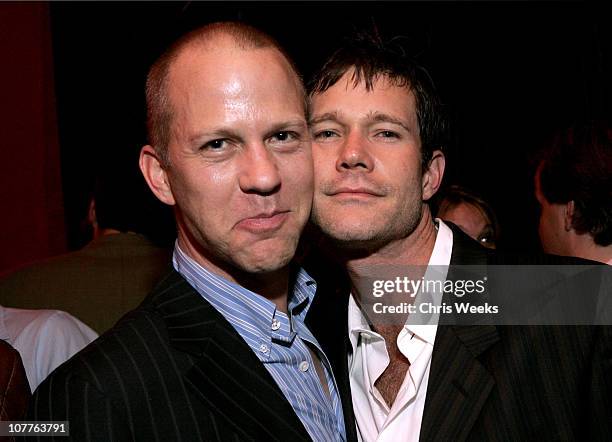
(260, 172)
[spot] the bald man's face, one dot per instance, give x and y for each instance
(240, 173)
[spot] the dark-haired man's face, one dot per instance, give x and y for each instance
(369, 184)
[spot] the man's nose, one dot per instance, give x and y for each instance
(355, 154)
(260, 172)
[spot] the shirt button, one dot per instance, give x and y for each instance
(304, 365)
(264, 348)
(275, 324)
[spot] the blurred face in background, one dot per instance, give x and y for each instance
(472, 220)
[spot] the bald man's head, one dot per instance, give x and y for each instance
(235, 35)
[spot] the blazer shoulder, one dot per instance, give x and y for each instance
(125, 349)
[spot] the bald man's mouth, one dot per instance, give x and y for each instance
(264, 222)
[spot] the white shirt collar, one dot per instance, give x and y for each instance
(440, 257)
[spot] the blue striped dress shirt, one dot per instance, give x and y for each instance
(279, 341)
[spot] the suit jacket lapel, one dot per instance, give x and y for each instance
(459, 384)
(225, 374)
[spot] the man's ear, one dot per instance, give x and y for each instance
(432, 177)
(568, 215)
(155, 175)
(91, 213)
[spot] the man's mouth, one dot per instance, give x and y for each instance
(264, 222)
(354, 193)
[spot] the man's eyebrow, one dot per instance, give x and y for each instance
(386, 118)
(297, 123)
(333, 116)
(212, 134)
(228, 132)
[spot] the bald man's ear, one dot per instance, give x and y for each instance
(155, 175)
(432, 177)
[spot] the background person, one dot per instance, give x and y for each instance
(108, 277)
(573, 186)
(14, 389)
(44, 338)
(470, 213)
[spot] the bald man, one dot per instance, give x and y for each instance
(219, 350)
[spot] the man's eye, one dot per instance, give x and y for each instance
(486, 241)
(214, 144)
(387, 134)
(285, 136)
(325, 134)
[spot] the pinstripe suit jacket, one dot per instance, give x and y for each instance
(172, 370)
(492, 383)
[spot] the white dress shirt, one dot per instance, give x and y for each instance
(44, 339)
(402, 422)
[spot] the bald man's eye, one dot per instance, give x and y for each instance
(214, 144)
(287, 140)
(285, 136)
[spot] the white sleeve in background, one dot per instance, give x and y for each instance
(45, 339)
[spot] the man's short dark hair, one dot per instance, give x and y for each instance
(370, 58)
(159, 107)
(577, 166)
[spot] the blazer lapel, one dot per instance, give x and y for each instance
(225, 374)
(459, 384)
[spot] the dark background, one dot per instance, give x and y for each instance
(508, 71)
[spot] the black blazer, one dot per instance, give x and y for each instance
(492, 382)
(172, 370)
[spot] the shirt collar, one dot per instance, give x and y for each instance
(439, 259)
(443, 247)
(238, 304)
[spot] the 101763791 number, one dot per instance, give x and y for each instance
(34, 428)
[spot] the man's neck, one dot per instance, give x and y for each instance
(404, 258)
(412, 250)
(98, 232)
(273, 286)
(586, 248)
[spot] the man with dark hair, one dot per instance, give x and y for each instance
(378, 136)
(219, 350)
(573, 184)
